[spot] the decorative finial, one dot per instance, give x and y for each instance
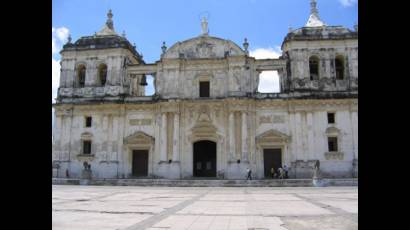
(110, 23)
(204, 25)
(314, 19)
(246, 45)
(123, 33)
(356, 27)
(69, 38)
(290, 29)
(163, 47)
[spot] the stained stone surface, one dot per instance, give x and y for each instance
(239, 119)
(106, 207)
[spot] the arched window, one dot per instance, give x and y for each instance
(340, 67)
(102, 74)
(314, 68)
(81, 75)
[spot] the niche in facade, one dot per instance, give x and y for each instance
(314, 68)
(102, 74)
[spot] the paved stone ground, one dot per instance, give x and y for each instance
(159, 208)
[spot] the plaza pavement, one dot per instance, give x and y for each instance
(77, 207)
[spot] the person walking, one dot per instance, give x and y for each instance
(281, 172)
(272, 172)
(249, 172)
(285, 167)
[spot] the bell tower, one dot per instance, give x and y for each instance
(95, 66)
(321, 57)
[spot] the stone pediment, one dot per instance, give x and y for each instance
(139, 137)
(203, 117)
(203, 128)
(334, 155)
(86, 135)
(332, 131)
(203, 47)
(204, 125)
(272, 136)
(204, 131)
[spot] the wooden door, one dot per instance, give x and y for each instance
(272, 157)
(140, 163)
(204, 159)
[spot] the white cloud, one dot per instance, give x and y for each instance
(59, 37)
(262, 53)
(268, 80)
(347, 3)
(62, 33)
(149, 89)
(55, 77)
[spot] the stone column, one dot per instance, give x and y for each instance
(163, 146)
(244, 137)
(231, 136)
(312, 154)
(175, 153)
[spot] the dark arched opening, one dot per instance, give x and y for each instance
(81, 75)
(340, 67)
(314, 68)
(102, 74)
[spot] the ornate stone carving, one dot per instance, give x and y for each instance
(204, 114)
(272, 136)
(86, 136)
(265, 119)
(139, 137)
(140, 121)
(334, 155)
(65, 92)
(278, 119)
(204, 109)
(112, 90)
(88, 92)
(204, 50)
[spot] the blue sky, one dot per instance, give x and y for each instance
(148, 23)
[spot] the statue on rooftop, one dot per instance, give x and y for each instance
(204, 25)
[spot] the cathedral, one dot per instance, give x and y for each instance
(206, 118)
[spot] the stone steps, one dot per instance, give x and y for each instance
(210, 182)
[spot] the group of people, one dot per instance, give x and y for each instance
(281, 173)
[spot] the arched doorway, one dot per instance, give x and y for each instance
(204, 159)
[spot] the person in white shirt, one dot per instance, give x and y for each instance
(285, 167)
(281, 173)
(249, 172)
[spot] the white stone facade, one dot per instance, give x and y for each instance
(239, 120)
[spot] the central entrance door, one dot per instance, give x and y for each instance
(140, 163)
(272, 157)
(205, 159)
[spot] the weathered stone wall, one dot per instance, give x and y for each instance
(240, 121)
(299, 128)
(117, 81)
(299, 53)
(180, 78)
